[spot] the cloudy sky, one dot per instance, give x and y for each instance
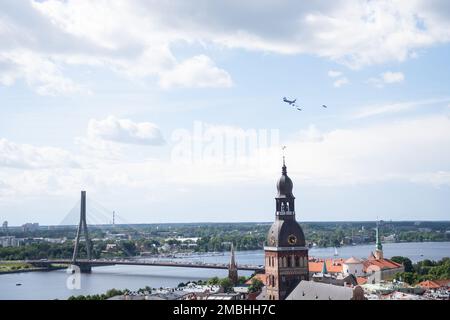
(138, 102)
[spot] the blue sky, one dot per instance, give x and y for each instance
(103, 96)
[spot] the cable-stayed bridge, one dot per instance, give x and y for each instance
(102, 217)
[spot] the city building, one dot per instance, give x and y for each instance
(333, 266)
(311, 290)
(5, 226)
(376, 267)
(353, 266)
(30, 227)
(10, 241)
(224, 296)
(337, 279)
(377, 270)
(286, 253)
(435, 284)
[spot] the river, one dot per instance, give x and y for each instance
(52, 285)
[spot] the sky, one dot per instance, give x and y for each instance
(172, 111)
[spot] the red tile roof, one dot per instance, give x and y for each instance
(381, 263)
(333, 265)
(260, 276)
(353, 260)
(361, 280)
(434, 284)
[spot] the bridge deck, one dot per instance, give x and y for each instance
(98, 263)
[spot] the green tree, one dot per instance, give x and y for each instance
(406, 262)
(408, 277)
(226, 284)
(256, 285)
(129, 247)
(213, 281)
(242, 279)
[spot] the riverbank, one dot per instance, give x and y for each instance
(17, 267)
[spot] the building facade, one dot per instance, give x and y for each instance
(286, 254)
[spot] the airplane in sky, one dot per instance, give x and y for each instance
(291, 102)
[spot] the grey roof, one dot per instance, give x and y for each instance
(263, 294)
(310, 290)
(285, 186)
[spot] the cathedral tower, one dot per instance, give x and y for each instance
(286, 254)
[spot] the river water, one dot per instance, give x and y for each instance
(52, 285)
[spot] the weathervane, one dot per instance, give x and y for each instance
(282, 150)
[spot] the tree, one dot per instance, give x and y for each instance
(406, 262)
(408, 277)
(226, 284)
(129, 247)
(213, 281)
(256, 285)
(242, 279)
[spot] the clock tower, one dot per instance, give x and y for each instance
(286, 254)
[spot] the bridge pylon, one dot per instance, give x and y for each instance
(82, 227)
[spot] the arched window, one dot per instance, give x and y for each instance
(297, 261)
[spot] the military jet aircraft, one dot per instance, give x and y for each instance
(291, 102)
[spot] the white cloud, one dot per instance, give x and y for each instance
(340, 82)
(40, 73)
(410, 150)
(334, 74)
(125, 131)
(392, 77)
(312, 134)
(389, 108)
(25, 156)
(414, 150)
(199, 72)
(387, 77)
(136, 37)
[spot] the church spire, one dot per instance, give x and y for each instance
(232, 268)
(284, 169)
(378, 246)
(324, 267)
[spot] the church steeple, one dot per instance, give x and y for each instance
(286, 254)
(285, 198)
(232, 267)
(378, 246)
(324, 267)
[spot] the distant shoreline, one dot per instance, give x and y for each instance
(32, 270)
